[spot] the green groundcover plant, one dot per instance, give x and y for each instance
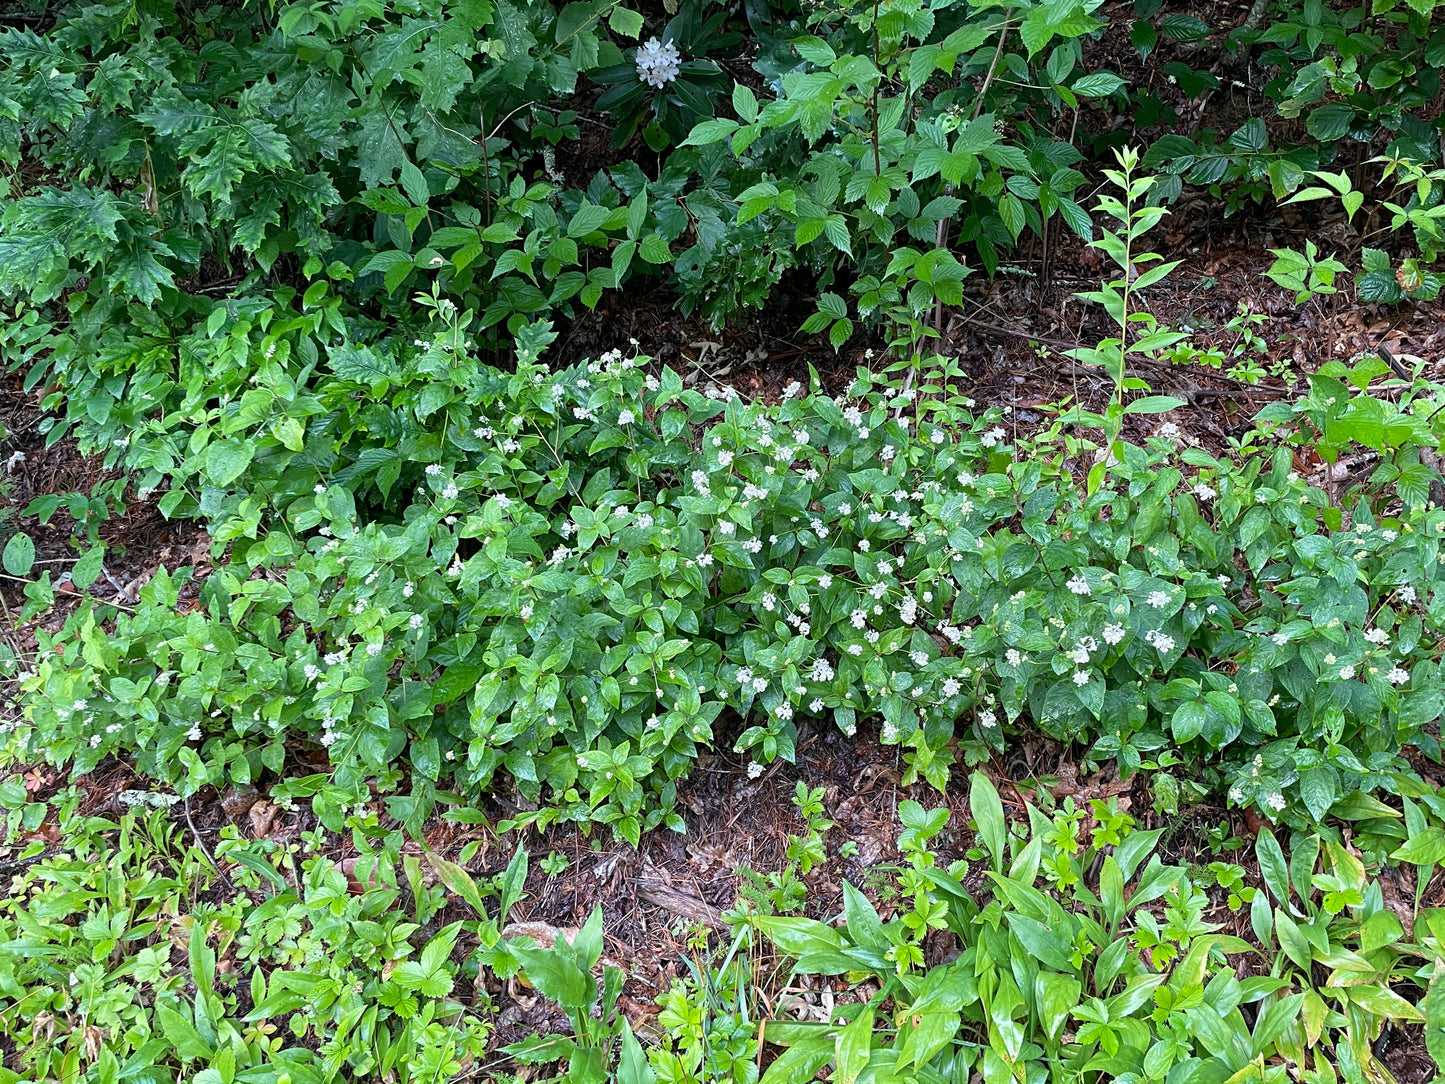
(1080, 955)
(558, 581)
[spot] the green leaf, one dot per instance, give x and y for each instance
(587, 219)
(1435, 1016)
(557, 975)
(709, 131)
(1097, 85)
(1058, 996)
(1035, 31)
(864, 925)
(362, 365)
(853, 1047)
(799, 936)
(1425, 848)
(625, 22)
(745, 103)
(1184, 27)
(1143, 37)
(1272, 866)
(987, 810)
(88, 569)
(1330, 122)
(1154, 404)
(226, 460)
(1294, 943)
(414, 184)
(1250, 136)
(1188, 721)
(19, 555)
(633, 1066)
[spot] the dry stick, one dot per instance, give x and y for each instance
(10, 627)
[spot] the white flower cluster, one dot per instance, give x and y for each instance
(1164, 644)
(658, 63)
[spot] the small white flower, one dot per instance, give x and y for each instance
(416, 621)
(1014, 657)
(1397, 676)
(1158, 599)
(1204, 492)
(1378, 636)
(1407, 595)
(1081, 677)
(988, 720)
(1078, 585)
(1330, 659)
(755, 769)
(433, 469)
(1080, 656)
(1113, 634)
(625, 417)
(864, 545)
(450, 491)
(1275, 801)
(992, 437)
(920, 658)
(1159, 640)
(1389, 535)
(1347, 672)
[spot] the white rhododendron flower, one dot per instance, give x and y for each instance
(658, 63)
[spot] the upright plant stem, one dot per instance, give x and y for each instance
(941, 237)
(877, 63)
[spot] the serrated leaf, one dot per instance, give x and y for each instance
(745, 103)
(625, 21)
(1097, 85)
